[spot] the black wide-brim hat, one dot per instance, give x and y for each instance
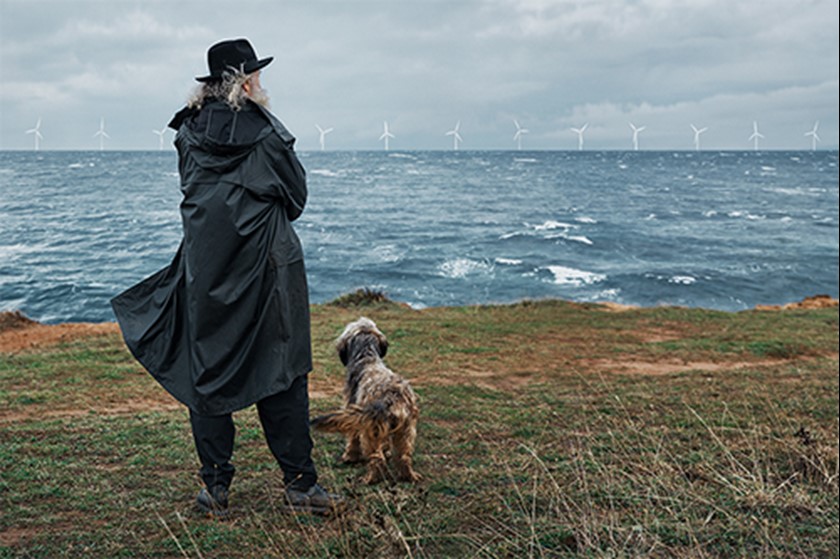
(234, 54)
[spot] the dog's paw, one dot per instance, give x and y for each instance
(351, 458)
(412, 477)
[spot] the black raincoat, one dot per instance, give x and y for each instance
(227, 322)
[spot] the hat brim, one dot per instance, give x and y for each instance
(249, 69)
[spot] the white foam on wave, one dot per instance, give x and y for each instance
(324, 173)
(576, 238)
(550, 225)
(508, 261)
(746, 215)
(682, 280)
(459, 268)
(524, 159)
(580, 239)
(387, 253)
(564, 275)
(584, 219)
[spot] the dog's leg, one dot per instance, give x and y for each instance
(373, 448)
(402, 444)
(353, 451)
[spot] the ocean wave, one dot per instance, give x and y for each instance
(551, 225)
(387, 253)
(575, 238)
(323, 173)
(508, 261)
(460, 268)
(564, 275)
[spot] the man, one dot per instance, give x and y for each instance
(226, 324)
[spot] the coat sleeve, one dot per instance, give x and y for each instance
(290, 177)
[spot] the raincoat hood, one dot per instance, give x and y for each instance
(220, 138)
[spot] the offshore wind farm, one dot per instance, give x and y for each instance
(457, 140)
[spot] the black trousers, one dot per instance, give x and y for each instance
(285, 422)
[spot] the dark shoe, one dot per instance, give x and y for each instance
(213, 501)
(315, 500)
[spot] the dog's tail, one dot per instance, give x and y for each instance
(353, 419)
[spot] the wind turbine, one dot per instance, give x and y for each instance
(37, 133)
(636, 135)
(386, 135)
(161, 134)
(812, 133)
(755, 136)
(456, 137)
(579, 132)
(102, 134)
(519, 133)
(323, 134)
(697, 133)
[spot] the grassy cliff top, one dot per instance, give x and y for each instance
(548, 429)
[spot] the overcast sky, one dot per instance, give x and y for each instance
(424, 65)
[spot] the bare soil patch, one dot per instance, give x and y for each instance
(19, 333)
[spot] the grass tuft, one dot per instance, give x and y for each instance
(363, 297)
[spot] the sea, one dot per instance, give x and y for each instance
(719, 230)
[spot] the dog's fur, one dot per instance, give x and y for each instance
(380, 413)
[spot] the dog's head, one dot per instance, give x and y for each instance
(358, 336)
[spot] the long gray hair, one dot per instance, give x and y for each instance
(229, 89)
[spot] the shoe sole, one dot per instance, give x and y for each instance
(310, 509)
(214, 512)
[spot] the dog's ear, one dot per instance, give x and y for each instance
(383, 345)
(343, 351)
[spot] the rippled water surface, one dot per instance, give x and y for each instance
(720, 230)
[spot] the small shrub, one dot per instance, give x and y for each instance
(363, 297)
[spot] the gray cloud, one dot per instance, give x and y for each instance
(424, 65)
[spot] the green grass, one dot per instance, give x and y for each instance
(532, 443)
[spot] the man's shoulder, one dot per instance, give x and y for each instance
(278, 127)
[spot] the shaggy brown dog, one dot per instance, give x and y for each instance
(380, 413)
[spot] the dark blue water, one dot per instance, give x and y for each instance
(701, 229)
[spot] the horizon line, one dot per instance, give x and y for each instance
(445, 150)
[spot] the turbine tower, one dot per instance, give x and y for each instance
(37, 133)
(456, 137)
(102, 134)
(813, 133)
(579, 132)
(636, 135)
(323, 134)
(755, 136)
(697, 133)
(519, 133)
(161, 133)
(386, 135)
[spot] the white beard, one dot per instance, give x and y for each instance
(260, 97)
